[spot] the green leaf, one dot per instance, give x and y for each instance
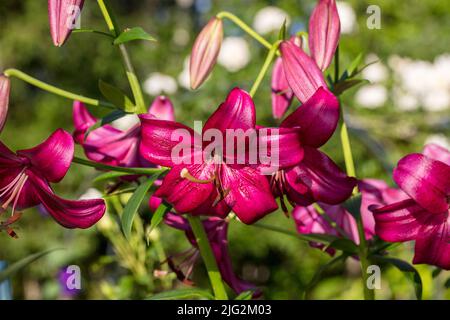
(411, 272)
(353, 205)
(110, 175)
(110, 117)
(344, 245)
(158, 217)
(282, 32)
(342, 86)
(447, 284)
(353, 67)
(116, 96)
(136, 33)
(21, 264)
(436, 272)
(189, 293)
(246, 295)
(129, 212)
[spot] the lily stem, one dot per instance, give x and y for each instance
(55, 90)
(350, 167)
(265, 67)
(208, 257)
(245, 27)
(114, 29)
(101, 166)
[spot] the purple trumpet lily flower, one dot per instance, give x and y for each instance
(112, 146)
(5, 87)
(25, 178)
(62, 15)
(201, 183)
(217, 231)
(425, 215)
(373, 192)
(316, 177)
(324, 31)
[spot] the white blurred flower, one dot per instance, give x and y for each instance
(347, 16)
(372, 96)
(234, 54)
(442, 70)
(181, 37)
(377, 71)
(404, 101)
(158, 83)
(126, 122)
(184, 77)
(438, 139)
(91, 193)
(270, 19)
(185, 3)
(436, 100)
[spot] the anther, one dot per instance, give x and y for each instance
(186, 175)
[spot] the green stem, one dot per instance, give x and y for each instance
(369, 294)
(241, 24)
(347, 149)
(208, 257)
(114, 29)
(55, 90)
(265, 67)
(93, 31)
(297, 235)
(101, 166)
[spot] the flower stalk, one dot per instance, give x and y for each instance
(208, 257)
(270, 56)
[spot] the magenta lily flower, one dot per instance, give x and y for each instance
(112, 146)
(424, 216)
(25, 178)
(217, 232)
(302, 73)
(211, 185)
(316, 177)
(5, 87)
(324, 31)
(62, 15)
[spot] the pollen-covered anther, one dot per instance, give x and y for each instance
(186, 175)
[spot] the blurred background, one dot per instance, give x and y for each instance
(405, 105)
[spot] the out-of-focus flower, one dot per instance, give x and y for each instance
(184, 78)
(112, 146)
(376, 72)
(201, 184)
(25, 178)
(405, 101)
(5, 87)
(347, 16)
(159, 84)
(185, 3)
(217, 233)
(316, 177)
(372, 96)
(270, 19)
(62, 16)
(437, 100)
(91, 193)
(438, 139)
(234, 54)
(425, 215)
(302, 73)
(324, 32)
(181, 37)
(205, 51)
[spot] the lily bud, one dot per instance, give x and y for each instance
(4, 99)
(324, 30)
(205, 51)
(62, 15)
(302, 73)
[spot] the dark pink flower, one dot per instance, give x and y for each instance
(112, 146)
(424, 216)
(62, 15)
(316, 177)
(302, 73)
(211, 185)
(216, 230)
(324, 31)
(25, 178)
(4, 99)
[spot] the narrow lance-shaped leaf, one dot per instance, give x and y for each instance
(189, 293)
(136, 33)
(158, 217)
(116, 96)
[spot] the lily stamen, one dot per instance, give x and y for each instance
(186, 175)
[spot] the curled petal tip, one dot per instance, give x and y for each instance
(162, 108)
(62, 15)
(205, 51)
(4, 99)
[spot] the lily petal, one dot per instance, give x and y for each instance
(438, 153)
(425, 180)
(82, 120)
(321, 177)
(435, 248)
(5, 87)
(302, 73)
(53, 157)
(282, 94)
(249, 193)
(162, 108)
(317, 118)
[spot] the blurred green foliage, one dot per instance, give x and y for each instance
(280, 264)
